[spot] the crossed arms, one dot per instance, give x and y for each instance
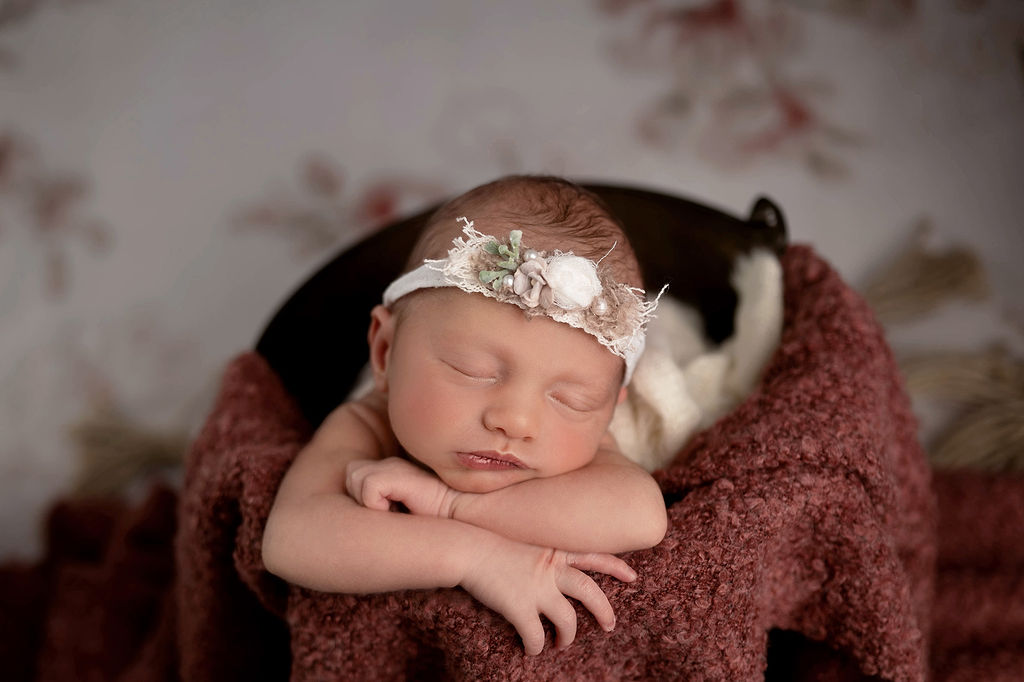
(520, 550)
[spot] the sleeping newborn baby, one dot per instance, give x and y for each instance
(481, 456)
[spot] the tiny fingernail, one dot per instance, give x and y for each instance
(610, 626)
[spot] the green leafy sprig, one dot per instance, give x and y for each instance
(509, 265)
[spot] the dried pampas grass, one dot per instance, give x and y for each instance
(920, 279)
(115, 452)
(990, 437)
(985, 388)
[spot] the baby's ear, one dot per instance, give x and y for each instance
(380, 337)
(623, 393)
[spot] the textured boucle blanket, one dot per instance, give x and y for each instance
(802, 537)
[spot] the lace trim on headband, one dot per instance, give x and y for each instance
(565, 287)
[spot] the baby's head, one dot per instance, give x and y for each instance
(552, 213)
(503, 358)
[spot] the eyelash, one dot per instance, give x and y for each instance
(581, 409)
(574, 408)
(470, 375)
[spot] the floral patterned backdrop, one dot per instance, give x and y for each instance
(170, 171)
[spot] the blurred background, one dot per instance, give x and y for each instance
(170, 172)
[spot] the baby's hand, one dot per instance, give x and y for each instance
(376, 483)
(523, 582)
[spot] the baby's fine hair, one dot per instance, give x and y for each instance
(554, 213)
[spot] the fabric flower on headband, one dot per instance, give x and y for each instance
(565, 287)
(567, 281)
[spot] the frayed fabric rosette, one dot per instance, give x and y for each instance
(567, 288)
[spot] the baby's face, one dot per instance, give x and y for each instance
(486, 398)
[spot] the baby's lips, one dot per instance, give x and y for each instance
(487, 459)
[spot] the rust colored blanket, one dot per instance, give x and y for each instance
(807, 515)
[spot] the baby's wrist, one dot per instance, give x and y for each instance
(476, 561)
(455, 501)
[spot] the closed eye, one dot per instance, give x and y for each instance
(573, 403)
(471, 373)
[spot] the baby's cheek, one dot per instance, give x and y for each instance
(435, 405)
(576, 449)
(422, 413)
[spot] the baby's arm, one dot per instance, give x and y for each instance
(320, 538)
(610, 505)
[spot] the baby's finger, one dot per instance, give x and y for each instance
(360, 487)
(583, 589)
(563, 616)
(603, 563)
(376, 501)
(373, 496)
(353, 483)
(531, 631)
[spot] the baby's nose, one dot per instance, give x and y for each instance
(512, 417)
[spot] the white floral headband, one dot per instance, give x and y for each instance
(564, 287)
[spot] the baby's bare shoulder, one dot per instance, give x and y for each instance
(361, 424)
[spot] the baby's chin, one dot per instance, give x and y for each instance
(482, 482)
